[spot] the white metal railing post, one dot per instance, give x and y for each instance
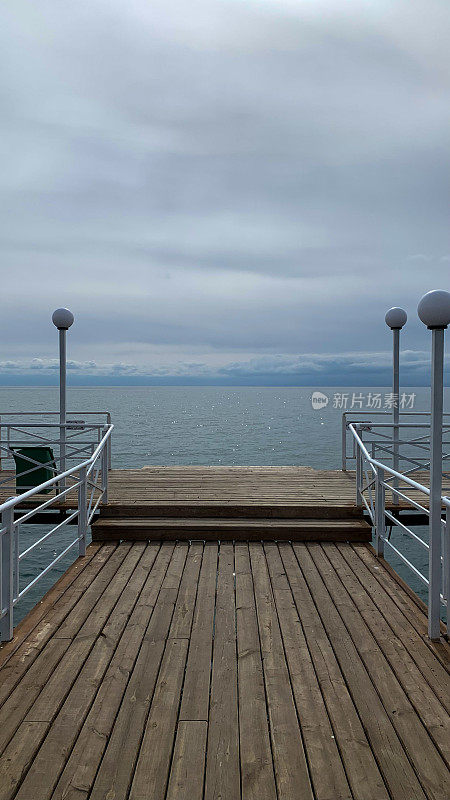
(445, 553)
(395, 318)
(16, 587)
(108, 422)
(104, 457)
(446, 560)
(359, 474)
(434, 311)
(435, 483)
(344, 442)
(7, 575)
(82, 512)
(380, 527)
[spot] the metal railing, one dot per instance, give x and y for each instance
(73, 418)
(18, 443)
(375, 479)
(359, 416)
(86, 489)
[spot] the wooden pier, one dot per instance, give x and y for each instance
(221, 670)
(246, 503)
(232, 637)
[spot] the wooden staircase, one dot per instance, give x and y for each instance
(217, 520)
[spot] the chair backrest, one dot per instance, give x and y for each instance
(30, 458)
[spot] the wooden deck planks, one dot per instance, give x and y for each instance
(221, 671)
(116, 769)
(358, 759)
(420, 694)
(257, 768)
(222, 757)
(422, 753)
(291, 768)
(195, 702)
(385, 742)
(131, 490)
(53, 753)
(327, 771)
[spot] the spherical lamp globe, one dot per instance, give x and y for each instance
(62, 318)
(396, 318)
(434, 309)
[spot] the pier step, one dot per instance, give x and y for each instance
(133, 529)
(258, 509)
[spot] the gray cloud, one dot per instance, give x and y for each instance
(356, 368)
(216, 183)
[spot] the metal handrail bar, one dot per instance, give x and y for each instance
(29, 434)
(65, 521)
(90, 516)
(91, 498)
(402, 457)
(400, 424)
(406, 529)
(84, 512)
(51, 481)
(74, 449)
(381, 514)
(106, 414)
(414, 569)
(90, 468)
(368, 508)
(52, 413)
(405, 497)
(389, 414)
(391, 471)
(356, 418)
(367, 487)
(49, 502)
(47, 569)
(87, 426)
(37, 464)
(19, 442)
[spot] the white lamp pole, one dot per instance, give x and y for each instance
(396, 318)
(434, 311)
(62, 318)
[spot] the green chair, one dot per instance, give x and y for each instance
(44, 455)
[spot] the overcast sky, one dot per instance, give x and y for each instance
(222, 190)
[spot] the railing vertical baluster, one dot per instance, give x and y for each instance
(108, 422)
(82, 512)
(435, 524)
(104, 478)
(359, 474)
(379, 512)
(344, 442)
(16, 560)
(7, 575)
(446, 561)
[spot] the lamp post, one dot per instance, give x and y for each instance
(434, 311)
(62, 318)
(396, 318)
